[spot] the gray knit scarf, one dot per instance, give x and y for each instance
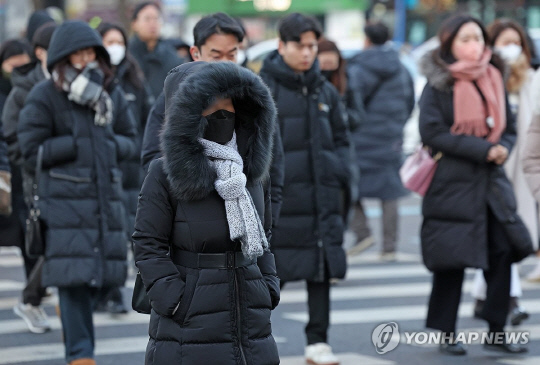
(244, 222)
(86, 88)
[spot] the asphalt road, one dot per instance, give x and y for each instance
(373, 293)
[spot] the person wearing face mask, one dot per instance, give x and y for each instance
(469, 210)
(204, 220)
(334, 69)
(78, 126)
(509, 41)
(217, 37)
(24, 78)
(131, 79)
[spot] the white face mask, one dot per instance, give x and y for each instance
(510, 53)
(117, 53)
(240, 56)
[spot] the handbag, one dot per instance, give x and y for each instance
(33, 239)
(418, 170)
(140, 301)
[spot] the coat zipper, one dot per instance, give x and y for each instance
(239, 317)
(320, 243)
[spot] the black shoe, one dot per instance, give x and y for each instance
(456, 349)
(114, 307)
(506, 348)
(518, 315)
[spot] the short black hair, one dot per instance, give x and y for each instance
(294, 25)
(218, 23)
(377, 33)
(141, 6)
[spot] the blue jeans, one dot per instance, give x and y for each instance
(76, 305)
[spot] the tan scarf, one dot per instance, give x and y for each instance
(470, 117)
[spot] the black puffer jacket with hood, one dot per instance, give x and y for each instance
(204, 315)
(80, 187)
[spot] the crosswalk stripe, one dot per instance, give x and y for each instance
(344, 359)
(395, 313)
(529, 360)
(100, 320)
(10, 285)
(11, 261)
(111, 346)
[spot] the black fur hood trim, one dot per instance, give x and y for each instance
(190, 175)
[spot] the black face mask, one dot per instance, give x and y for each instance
(220, 128)
(327, 74)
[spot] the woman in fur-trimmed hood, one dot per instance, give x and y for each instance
(203, 221)
(469, 209)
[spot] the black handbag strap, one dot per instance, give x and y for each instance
(35, 197)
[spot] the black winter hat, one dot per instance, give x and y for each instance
(13, 47)
(37, 19)
(43, 35)
(72, 36)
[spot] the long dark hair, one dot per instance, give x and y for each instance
(60, 69)
(339, 76)
(448, 32)
(500, 25)
(134, 73)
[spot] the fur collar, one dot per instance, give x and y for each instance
(437, 74)
(436, 71)
(188, 169)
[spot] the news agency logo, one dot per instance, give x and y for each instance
(385, 337)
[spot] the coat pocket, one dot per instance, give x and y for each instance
(68, 183)
(192, 277)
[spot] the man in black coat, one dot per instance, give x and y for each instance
(388, 95)
(155, 56)
(308, 237)
(217, 38)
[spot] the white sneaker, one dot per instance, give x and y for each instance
(320, 354)
(35, 317)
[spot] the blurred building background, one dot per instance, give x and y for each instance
(414, 21)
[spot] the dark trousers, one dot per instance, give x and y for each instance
(319, 311)
(76, 306)
(34, 292)
(446, 292)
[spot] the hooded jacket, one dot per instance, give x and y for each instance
(151, 147)
(455, 207)
(308, 236)
(80, 186)
(388, 96)
(222, 315)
